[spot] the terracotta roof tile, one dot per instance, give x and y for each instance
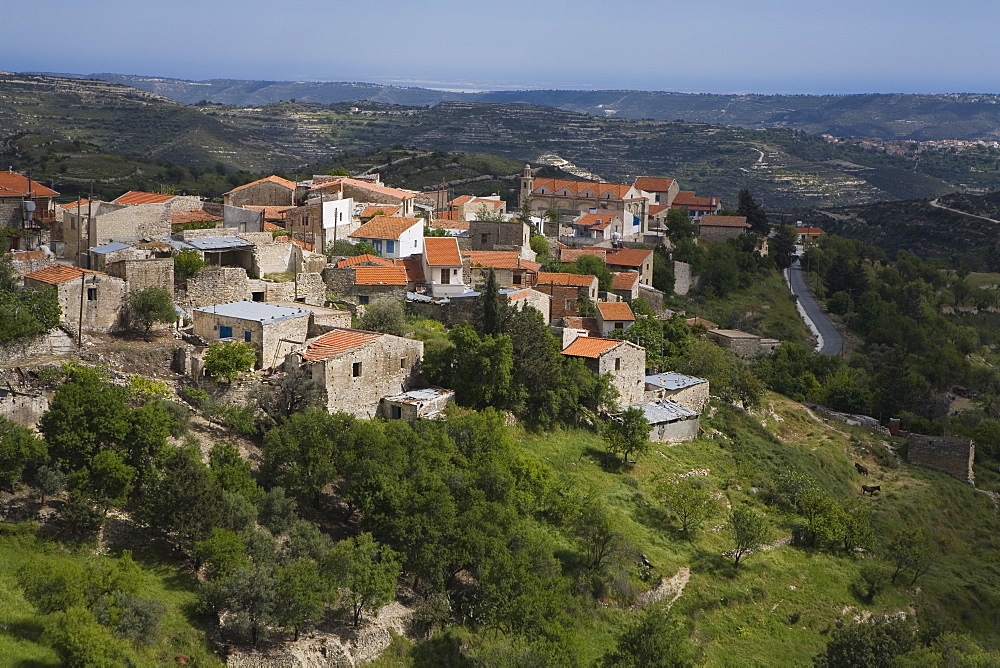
(139, 197)
(597, 221)
(19, 185)
(624, 280)
(270, 212)
(447, 215)
(387, 210)
(554, 278)
(194, 216)
(339, 183)
(271, 227)
(449, 223)
(72, 205)
(337, 342)
(379, 276)
(724, 221)
(59, 273)
(500, 260)
(691, 322)
(617, 190)
(653, 184)
(628, 257)
(273, 179)
(385, 227)
(302, 244)
(615, 311)
(590, 346)
(809, 231)
(414, 269)
(363, 259)
(687, 198)
(461, 199)
(442, 252)
(656, 208)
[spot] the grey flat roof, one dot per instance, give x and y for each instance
(219, 243)
(666, 410)
(256, 311)
(109, 248)
(671, 380)
(420, 396)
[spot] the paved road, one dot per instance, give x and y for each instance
(831, 342)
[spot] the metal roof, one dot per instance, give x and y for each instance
(666, 410)
(109, 248)
(219, 243)
(419, 397)
(671, 380)
(258, 311)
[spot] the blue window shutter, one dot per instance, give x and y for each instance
(225, 332)
(390, 246)
(246, 336)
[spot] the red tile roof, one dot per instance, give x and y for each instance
(363, 259)
(385, 227)
(628, 257)
(414, 269)
(656, 208)
(195, 216)
(271, 227)
(500, 260)
(270, 212)
(139, 197)
(339, 183)
(590, 346)
(687, 198)
(13, 184)
(59, 273)
(72, 205)
(273, 179)
(336, 342)
(379, 276)
(573, 254)
(624, 280)
(691, 322)
(614, 311)
(386, 210)
(653, 184)
(809, 231)
(449, 223)
(597, 221)
(442, 252)
(447, 215)
(461, 199)
(617, 190)
(554, 278)
(724, 221)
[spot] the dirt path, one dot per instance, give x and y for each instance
(671, 589)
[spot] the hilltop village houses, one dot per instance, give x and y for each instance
(276, 275)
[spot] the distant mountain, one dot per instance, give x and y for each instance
(919, 117)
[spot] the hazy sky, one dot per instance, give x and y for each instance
(800, 46)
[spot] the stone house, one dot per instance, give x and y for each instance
(365, 191)
(690, 391)
(357, 369)
(272, 330)
(696, 207)
(625, 284)
(658, 190)
(631, 259)
(93, 295)
(501, 235)
(670, 421)
(269, 191)
(721, 228)
(392, 236)
(522, 298)
(566, 291)
(321, 222)
(625, 361)
(508, 268)
(427, 403)
(469, 207)
(140, 273)
(612, 316)
(598, 227)
(743, 344)
(442, 265)
(571, 198)
(953, 456)
(28, 207)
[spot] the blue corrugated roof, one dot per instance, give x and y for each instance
(257, 311)
(671, 380)
(109, 248)
(219, 243)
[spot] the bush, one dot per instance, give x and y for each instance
(149, 306)
(187, 263)
(229, 360)
(384, 314)
(839, 303)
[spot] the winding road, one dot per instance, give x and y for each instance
(829, 340)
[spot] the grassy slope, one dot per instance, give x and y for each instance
(746, 617)
(20, 638)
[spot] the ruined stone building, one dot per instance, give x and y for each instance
(625, 361)
(93, 296)
(269, 191)
(690, 391)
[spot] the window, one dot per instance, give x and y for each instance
(356, 369)
(91, 294)
(516, 279)
(618, 325)
(414, 243)
(225, 332)
(484, 239)
(247, 337)
(72, 222)
(378, 245)
(395, 412)
(618, 364)
(445, 276)
(402, 362)
(363, 300)
(390, 246)
(569, 304)
(257, 296)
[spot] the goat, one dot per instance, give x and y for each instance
(863, 470)
(870, 489)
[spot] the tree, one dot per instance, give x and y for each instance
(591, 265)
(276, 511)
(910, 550)
(477, 367)
(109, 480)
(365, 571)
(344, 248)
(598, 532)
(250, 596)
(749, 532)
(782, 246)
(384, 314)
(49, 481)
(228, 360)
(52, 584)
(19, 448)
(627, 433)
(658, 640)
(294, 393)
(755, 215)
(223, 552)
(871, 644)
(182, 500)
(680, 227)
(687, 500)
(299, 454)
(80, 642)
(301, 594)
(187, 263)
(24, 312)
(148, 306)
(496, 312)
(85, 415)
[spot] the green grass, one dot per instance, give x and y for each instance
(21, 627)
(978, 279)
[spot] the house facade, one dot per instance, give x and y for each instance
(392, 236)
(721, 228)
(623, 360)
(690, 391)
(269, 191)
(573, 198)
(92, 298)
(442, 264)
(612, 316)
(26, 207)
(272, 330)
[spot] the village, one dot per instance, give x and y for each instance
(265, 280)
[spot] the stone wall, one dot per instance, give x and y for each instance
(148, 273)
(564, 299)
(627, 365)
(265, 193)
(272, 341)
(310, 289)
(452, 313)
(718, 233)
(101, 305)
(216, 286)
(501, 235)
(745, 345)
(652, 296)
(25, 262)
(674, 432)
(682, 278)
(22, 407)
(54, 343)
(953, 456)
(694, 397)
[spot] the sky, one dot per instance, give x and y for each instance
(719, 46)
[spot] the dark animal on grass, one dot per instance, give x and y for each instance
(863, 470)
(870, 489)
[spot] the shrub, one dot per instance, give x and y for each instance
(187, 263)
(229, 360)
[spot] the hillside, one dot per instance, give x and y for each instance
(921, 117)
